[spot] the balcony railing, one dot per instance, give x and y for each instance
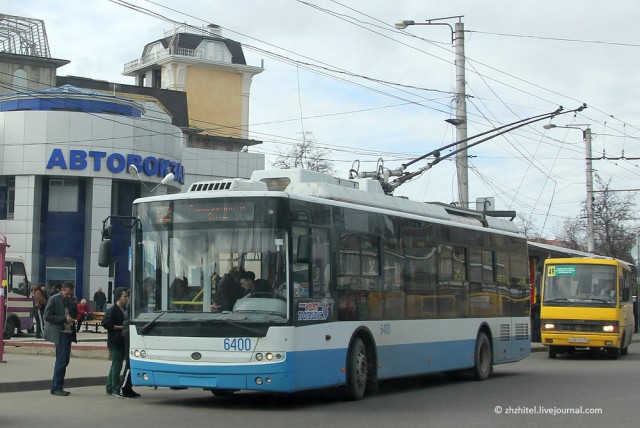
(157, 56)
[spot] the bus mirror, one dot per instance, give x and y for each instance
(304, 249)
(104, 256)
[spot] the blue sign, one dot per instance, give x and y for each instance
(116, 163)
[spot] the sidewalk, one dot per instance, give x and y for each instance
(28, 363)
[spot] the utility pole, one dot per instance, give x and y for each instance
(462, 167)
(586, 136)
(591, 240)
(460, 122)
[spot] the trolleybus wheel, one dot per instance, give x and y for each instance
(483, 364)
(553, 351)
(223, 392)
(356, 371)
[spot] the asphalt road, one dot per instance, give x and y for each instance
(534, 392)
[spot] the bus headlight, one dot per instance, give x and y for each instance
(549, 326)
(609, 328)
(139, 353)
(269, 356)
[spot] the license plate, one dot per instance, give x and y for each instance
(578, 340)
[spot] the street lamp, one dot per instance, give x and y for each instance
(457, 38)
(133, 170)
(586, 136)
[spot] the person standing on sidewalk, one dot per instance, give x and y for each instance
(113, 322)
(39, 303)
(126, 388)
(101, 299)
(59, 329)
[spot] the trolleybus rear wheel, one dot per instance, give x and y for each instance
(483, 364)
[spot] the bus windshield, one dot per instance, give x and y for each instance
(580, 285)
(190, 257)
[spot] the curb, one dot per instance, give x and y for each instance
(43, 385)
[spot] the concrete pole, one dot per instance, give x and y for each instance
(590, 219)
(461, 118)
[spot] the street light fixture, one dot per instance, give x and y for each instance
(586, 136)
(133, 170)
(460, 121)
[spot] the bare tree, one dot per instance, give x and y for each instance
(614, 233)
(527, 228)
(306, 155)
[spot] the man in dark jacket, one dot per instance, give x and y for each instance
(229, 290)
(60, 329)
(101, 299)
(113, 322)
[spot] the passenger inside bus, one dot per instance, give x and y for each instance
(229, 290)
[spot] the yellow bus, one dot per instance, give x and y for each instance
(586, 303)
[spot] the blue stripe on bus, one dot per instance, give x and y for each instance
(315, 369)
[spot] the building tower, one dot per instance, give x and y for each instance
(213, 72)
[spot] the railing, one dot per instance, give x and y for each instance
(154, 57)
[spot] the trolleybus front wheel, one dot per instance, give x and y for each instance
(357, 367)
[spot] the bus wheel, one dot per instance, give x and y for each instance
(613, 353)
(356, 371)
(223, 392)
(553, 351)
(483, 364)
(9, 329)
(624, 351)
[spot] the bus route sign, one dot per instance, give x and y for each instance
(561, 270)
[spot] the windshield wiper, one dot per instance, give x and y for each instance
(595, 299)
(560, 299)
(259, 311)
(150, 323)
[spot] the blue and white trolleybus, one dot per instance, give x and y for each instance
(360, 287)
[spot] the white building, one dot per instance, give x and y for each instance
(66, 144)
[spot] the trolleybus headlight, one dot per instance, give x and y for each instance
(278, 356)
(269, 356)
(609, 328)
(259, 357)
(143, 353)
(549, 326)
(136, 353)
(258, 381)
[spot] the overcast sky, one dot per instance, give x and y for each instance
(523, 59)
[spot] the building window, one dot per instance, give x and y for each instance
(7, 199)
(63, 195)
(60, 270)
(19, 80)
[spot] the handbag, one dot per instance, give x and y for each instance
(88, 316)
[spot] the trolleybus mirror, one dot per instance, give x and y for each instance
(304, 249)
(104, 256)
